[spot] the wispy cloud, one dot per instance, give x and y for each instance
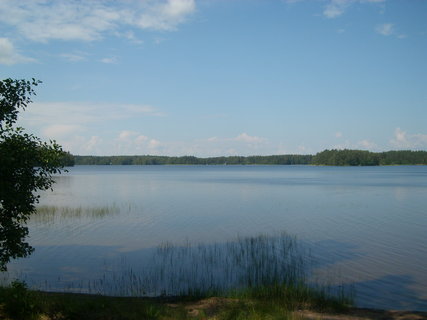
(62, 120)
(92, 145)
(388, 29)
(242, 144)
(244, 137)
(74, 56)
(56, 131)
(138, 109)
(84, 112)
(364, 144)
(385, 29)
(83, 140)
(129, 35)
(403, 140)
(367, 145)
(132, 142)
(335, 8)
(109, 60)
(9, 55)
(43, 21)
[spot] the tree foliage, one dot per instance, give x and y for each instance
(26, 166)
(191, 160)
(326, 158)
(366, 158)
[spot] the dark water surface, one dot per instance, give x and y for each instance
(365, 226)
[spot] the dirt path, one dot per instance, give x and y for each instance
(211, 306)
(365, 314)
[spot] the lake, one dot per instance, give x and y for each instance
(363, 226)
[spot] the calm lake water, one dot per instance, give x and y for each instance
(364, 226)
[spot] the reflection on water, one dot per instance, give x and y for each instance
(50, 214)
(274, 262)
(366, 225)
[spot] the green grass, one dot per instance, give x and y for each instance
(263, 277)
(261, 267)
(17, 302)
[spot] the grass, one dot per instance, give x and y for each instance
(46, 214)
(17, 302)
(261, 267)
(263, 277)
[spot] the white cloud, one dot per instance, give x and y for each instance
(76, 125)
(335, 8)
(87, 141)
(142, 109)
(302, 149)
(362, 144)
(42, 21)
(385, 29)
(74, 57)
(9, 55)
(242, 144)
(244, 137)
(153, 144)
(109, 60)
(367, 145)
(92, 144)
(141, 139)
(80, 145)
(130, 35)
(403, 140)
(388, 29)
(128, 142)
(132, 142)
(83, 113)
(343, 145)
(126, 134)
(165, 15)
(59, 130)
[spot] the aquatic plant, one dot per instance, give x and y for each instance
(262, 267)
(49, 213)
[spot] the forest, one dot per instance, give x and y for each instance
(333, 157)
(366, 158)
(191, 160)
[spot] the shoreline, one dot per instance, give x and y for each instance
(209, 308)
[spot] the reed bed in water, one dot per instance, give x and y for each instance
(261, 267)
(48, 213)
(264, 272)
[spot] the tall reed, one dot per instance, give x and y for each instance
(261, 267)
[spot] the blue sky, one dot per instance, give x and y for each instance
(221, 77)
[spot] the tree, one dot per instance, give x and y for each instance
(26, 166)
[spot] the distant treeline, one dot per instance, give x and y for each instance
(367, 158)
(68, 160)
(190, 160)
(327, 158)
